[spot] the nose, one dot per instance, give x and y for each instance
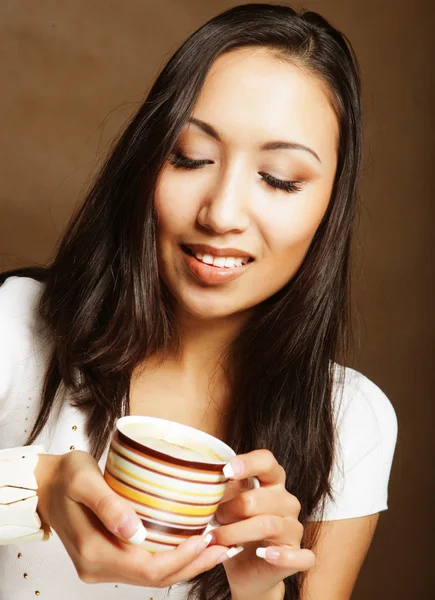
(225, 209)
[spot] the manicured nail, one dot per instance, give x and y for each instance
(229, 554)
(139, 536)
(131, 528)
(233, 468)
(267, 553)
(206, 541)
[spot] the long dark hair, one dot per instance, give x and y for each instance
(107, 310)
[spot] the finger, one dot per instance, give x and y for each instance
(166, 562)
(99, 556)
(162, 566)
(256, 502)
(234, 488)
(96, 553)
(288, 558)
(205, 561)
(88, 487)
(103, 558)
(260, 463)
(282, 530)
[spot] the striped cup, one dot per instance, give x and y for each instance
(171, 474)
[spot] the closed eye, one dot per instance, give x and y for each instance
(179, 161)
(182, 162)
(281, 184)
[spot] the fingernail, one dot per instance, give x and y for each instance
(233, 468)
(230, 553)
(139, 536)
(267, 553)
(132, 529)
(206, 541)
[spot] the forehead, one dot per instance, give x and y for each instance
(251, 96)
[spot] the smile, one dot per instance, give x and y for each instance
(214, 269)
(229, 262)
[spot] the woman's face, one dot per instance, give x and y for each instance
(250, 101)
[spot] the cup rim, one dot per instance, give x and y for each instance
(211, 465)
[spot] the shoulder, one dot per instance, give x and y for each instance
(365, 439)
(363, 410)
(21, 328)
(19, 298)
(365, 416)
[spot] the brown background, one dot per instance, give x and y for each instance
(72, 72)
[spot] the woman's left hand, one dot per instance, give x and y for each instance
(257, 516)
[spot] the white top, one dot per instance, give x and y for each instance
(366, 428)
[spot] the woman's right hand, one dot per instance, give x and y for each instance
(94, 524)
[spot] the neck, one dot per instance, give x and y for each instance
(205, 341)
(197, 366)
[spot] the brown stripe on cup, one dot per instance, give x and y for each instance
(166, 528)
(160, 542)
(170, 460)
(138, 464)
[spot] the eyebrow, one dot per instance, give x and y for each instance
(275, 145)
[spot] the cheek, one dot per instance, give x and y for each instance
(174, 204)
(288, 230)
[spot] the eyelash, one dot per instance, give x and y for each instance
(179, 161)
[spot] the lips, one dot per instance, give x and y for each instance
(211, 274)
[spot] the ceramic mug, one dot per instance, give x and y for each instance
(172, 474)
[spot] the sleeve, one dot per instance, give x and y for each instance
(366, 432)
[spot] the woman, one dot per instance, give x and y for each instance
(205, 279)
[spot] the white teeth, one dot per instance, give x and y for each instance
(222, 261)
(219, 261)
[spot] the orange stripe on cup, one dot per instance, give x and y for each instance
(146, 499)
(116, 468)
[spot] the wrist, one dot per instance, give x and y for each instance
(276, 593)
(45, 473)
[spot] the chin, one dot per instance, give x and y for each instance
(206, 310)
(205, 307)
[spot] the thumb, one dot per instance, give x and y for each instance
(116, 514)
